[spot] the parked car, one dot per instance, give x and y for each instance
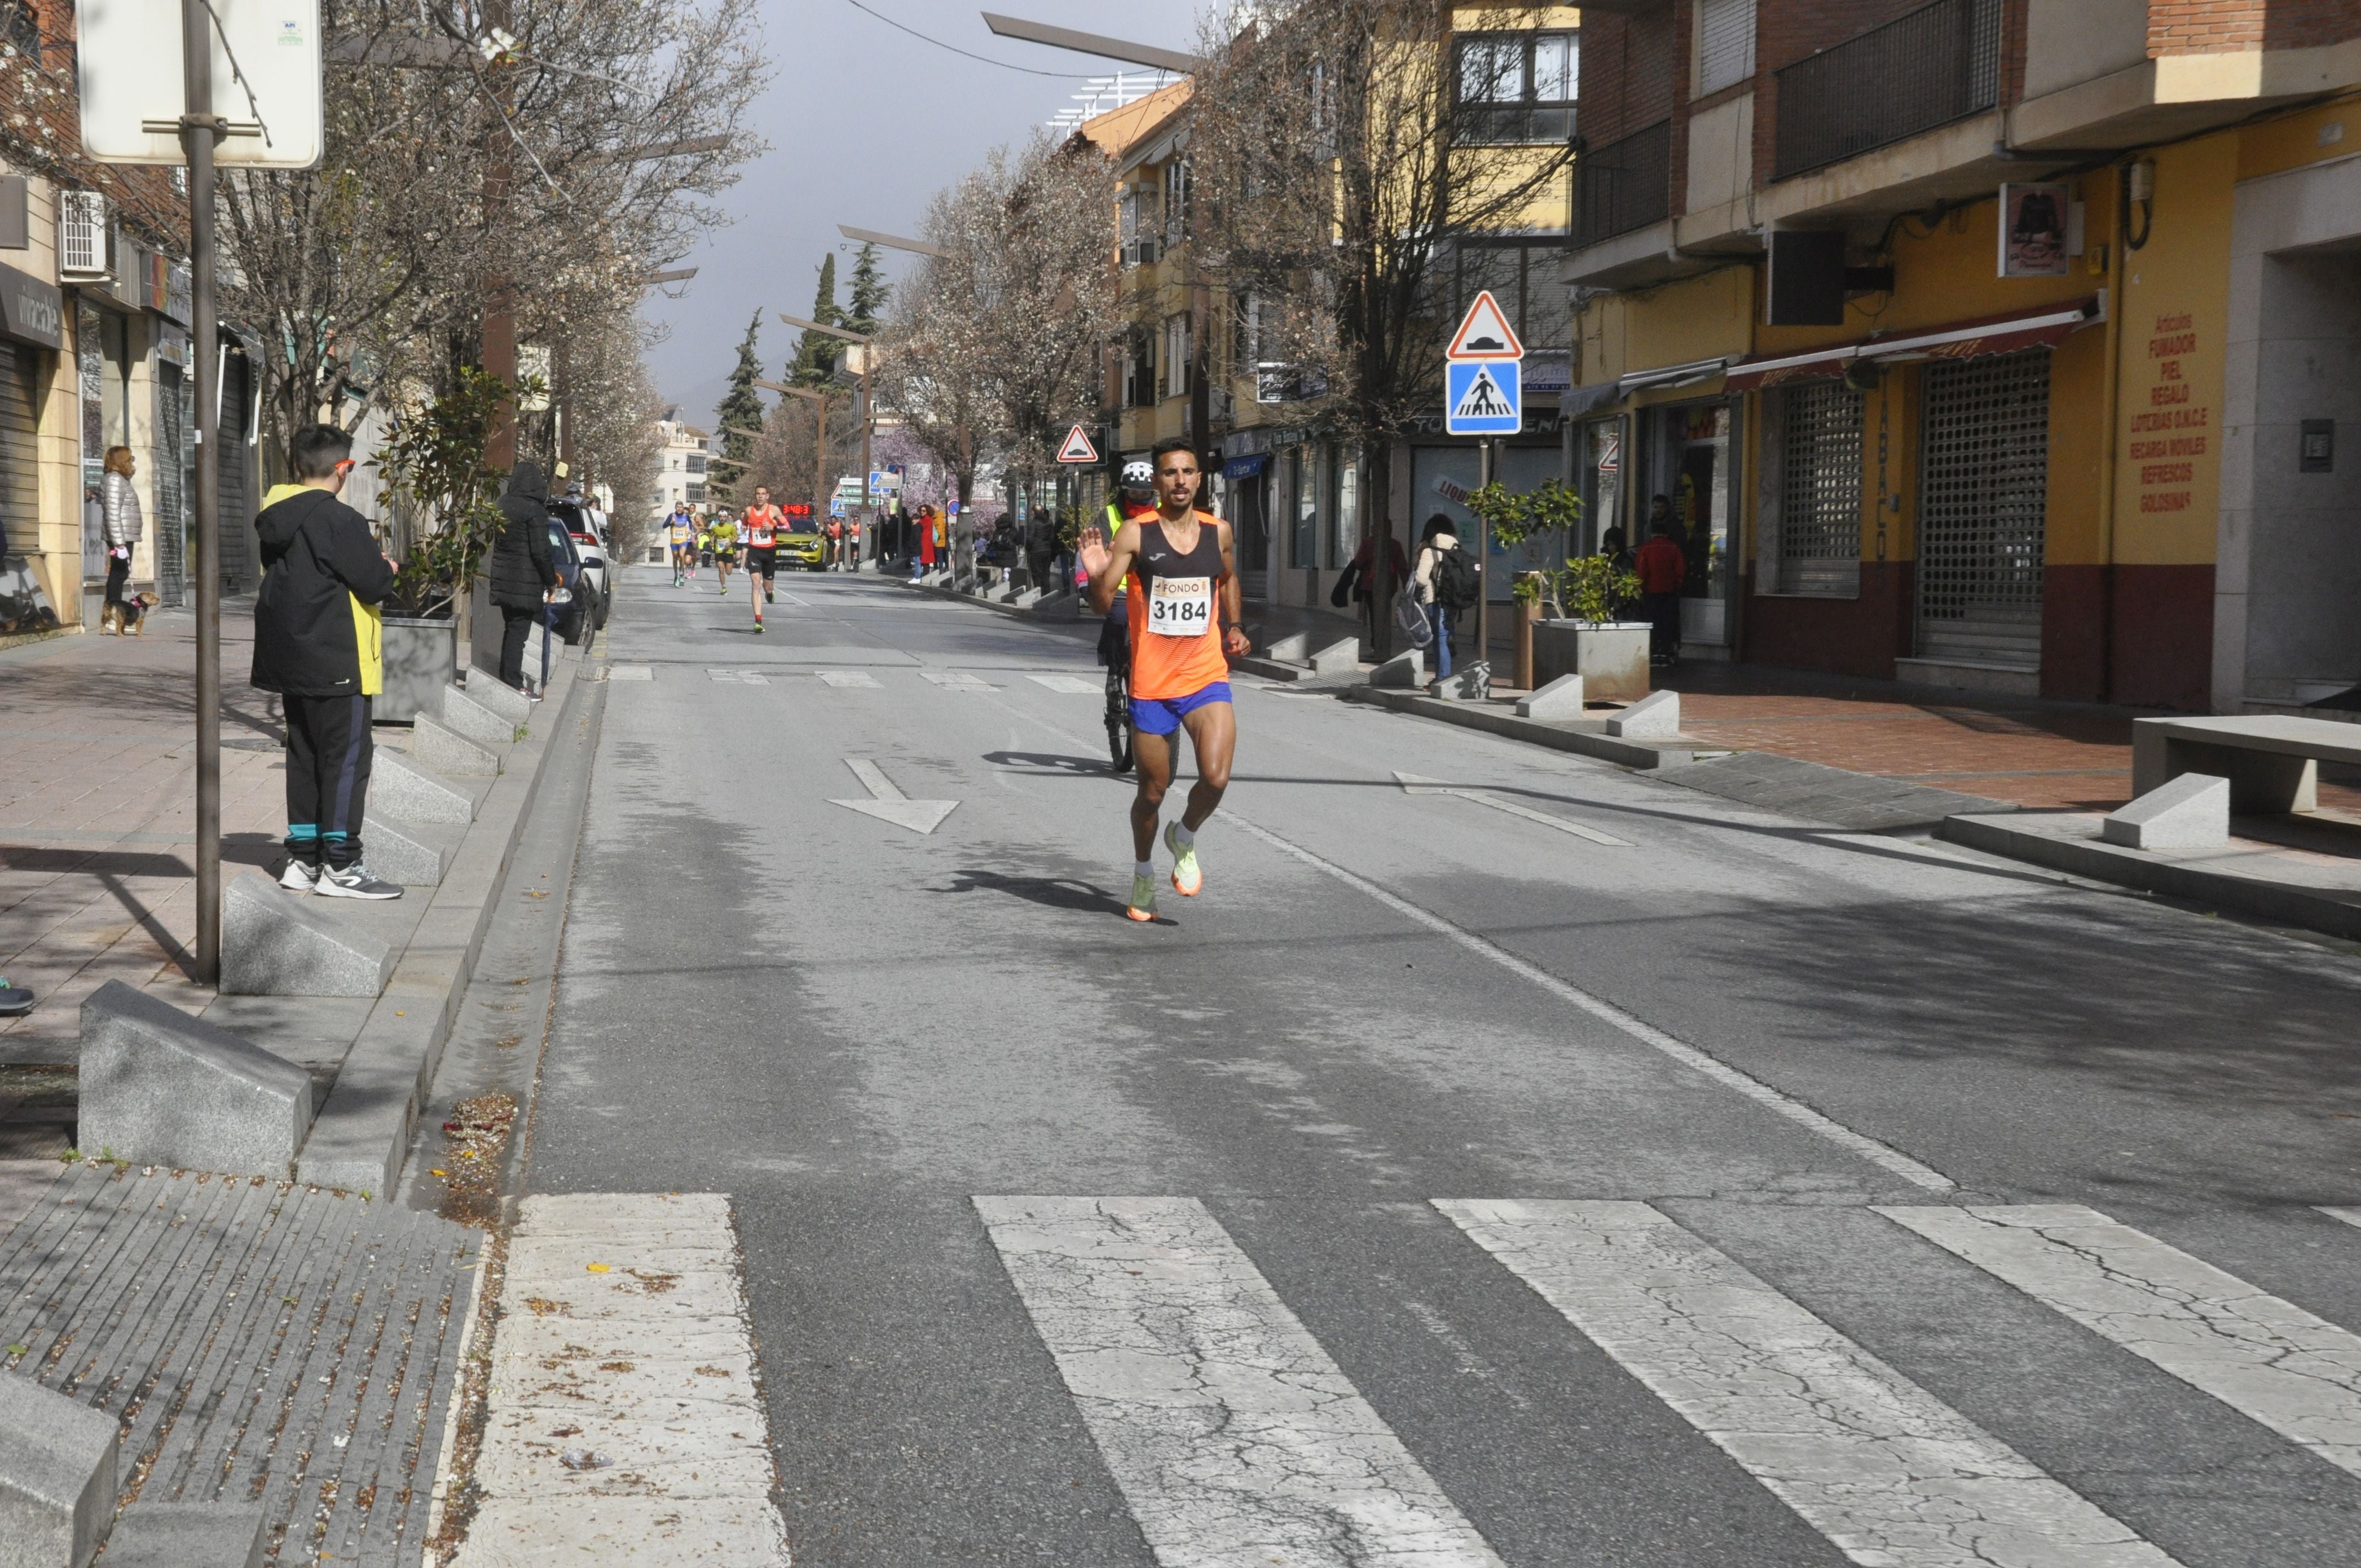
(574, 621)
(596, 585)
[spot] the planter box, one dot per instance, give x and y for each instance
(1612, 660)
(422, 657)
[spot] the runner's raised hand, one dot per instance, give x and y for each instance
(1091, 552)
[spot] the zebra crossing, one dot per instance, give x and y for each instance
(1236, 1439)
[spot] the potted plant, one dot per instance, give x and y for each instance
(435, 466)
(1610, 655)
(1586, 639)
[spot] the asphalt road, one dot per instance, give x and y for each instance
(1467, 1189)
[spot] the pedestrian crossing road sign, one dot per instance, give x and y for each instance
(1483, 397)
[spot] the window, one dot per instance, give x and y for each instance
(697, 462)
(1178, 351)
(1523, 277)
(1517, 87)
(1140, 372)
(1725, 34)
(1139, 227)
(1819, 491)
(1345, 515)
(696, 492)
(1177, 189)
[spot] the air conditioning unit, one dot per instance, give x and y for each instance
(84, 238)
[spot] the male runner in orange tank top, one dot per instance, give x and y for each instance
(1180, 574)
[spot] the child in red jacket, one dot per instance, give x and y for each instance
(1663, 569)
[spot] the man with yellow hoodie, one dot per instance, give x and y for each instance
(317, 645)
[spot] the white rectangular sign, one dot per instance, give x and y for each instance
(129, 60)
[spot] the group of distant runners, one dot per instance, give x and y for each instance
(756, 532)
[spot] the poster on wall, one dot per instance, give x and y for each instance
(2033, 230)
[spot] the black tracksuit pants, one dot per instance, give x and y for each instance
(328, 751)
(516, 629)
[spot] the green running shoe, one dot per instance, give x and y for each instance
(1187, 878)
(1143, 898)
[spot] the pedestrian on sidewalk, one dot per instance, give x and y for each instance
(926, 542)
(1444, 578)
(1663, 569)
(523, 574)
(1359, 582)
(317, 643)
(119, 501)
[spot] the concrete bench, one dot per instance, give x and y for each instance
(2272, 760)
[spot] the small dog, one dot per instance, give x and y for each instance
(126, 619)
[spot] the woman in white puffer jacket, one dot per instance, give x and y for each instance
(119, 501)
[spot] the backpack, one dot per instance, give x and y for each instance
(1457, 583)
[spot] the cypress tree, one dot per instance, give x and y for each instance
(870, 292)
(816, 354)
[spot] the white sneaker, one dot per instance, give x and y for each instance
(354, 881)
(301, 876)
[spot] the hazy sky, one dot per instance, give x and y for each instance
(864, 124)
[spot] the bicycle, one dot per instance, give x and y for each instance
(1114, 653)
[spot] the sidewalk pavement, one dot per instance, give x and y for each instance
(98, 817)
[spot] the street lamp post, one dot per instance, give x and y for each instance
(863, 342)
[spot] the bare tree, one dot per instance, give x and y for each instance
(1344, 153)
(992, 350)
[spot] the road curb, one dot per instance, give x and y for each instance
(362, 1133)
(1062, 612)
(2018, 836)
(1559, 735)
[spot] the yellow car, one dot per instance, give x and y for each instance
(802, 544)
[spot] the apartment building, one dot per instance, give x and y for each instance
(1297, 498)
(1995, 343)
(681, 474)
(96, 345)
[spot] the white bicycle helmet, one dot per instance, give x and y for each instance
(1138, 475)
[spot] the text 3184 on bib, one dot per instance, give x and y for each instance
(1181, 606)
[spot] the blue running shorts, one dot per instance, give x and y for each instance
(1162, 715)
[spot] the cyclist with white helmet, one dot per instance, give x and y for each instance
(1135, 498)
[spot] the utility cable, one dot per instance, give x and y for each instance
(1058, 75)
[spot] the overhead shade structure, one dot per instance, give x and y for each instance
(1684, 375)
(2004, 333)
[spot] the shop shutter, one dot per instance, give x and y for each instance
(172, 455)
(1725, 43)
(1819, 491)
(20, 484)
(1982, 510)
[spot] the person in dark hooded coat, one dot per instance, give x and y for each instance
(523, 572)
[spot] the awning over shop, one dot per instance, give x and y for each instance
(1245, 467)
(1581, 400)
(1962, 340)
(1686, 374)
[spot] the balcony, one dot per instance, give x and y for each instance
(1624, 185)
(1937, 64)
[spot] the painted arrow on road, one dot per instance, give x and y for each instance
(888, 803)
(1413, 784)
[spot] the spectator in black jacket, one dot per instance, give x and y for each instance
(317, 645)
(524, 573)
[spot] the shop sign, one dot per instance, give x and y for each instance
(30, 310)
(2032, 229)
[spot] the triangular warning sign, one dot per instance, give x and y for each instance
(1078, 447)
(1484, 400)
(1486, 332)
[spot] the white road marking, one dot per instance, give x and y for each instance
(959, 680)
(2265, 1358)
(1889, 1159)
(1074, 685)
(888, 803)
(2350, 1216)
(1888, 1473)
(849, 678)
(1413, 784)
(630, 673)
(623, 1422)
(1688, 1055)
(1235, 1438)
(738, 677)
